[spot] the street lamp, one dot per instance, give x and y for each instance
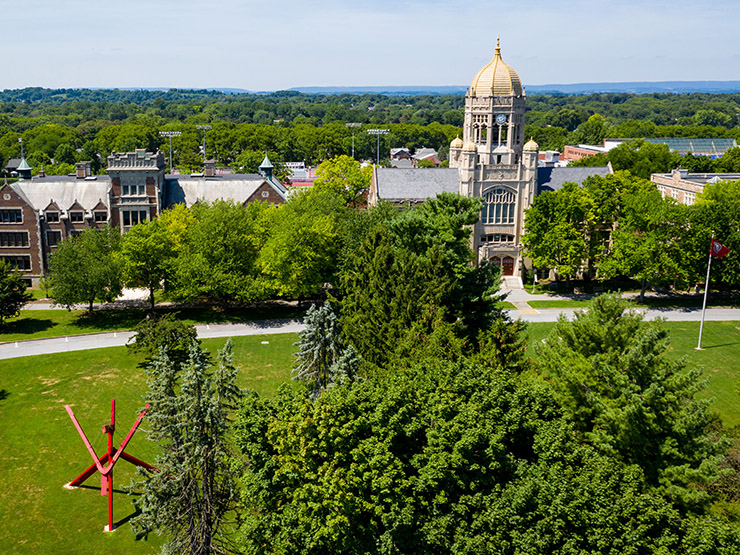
(170, 134)
(204, 128)
(377, 133)
(353, 126)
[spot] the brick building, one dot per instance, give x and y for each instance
(37, 214)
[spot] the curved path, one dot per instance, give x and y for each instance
(118, 339)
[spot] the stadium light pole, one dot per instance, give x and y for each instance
(204, 128)
(170, 134)
(377, 133)
(353, 126)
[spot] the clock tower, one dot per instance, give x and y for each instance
(495, 164)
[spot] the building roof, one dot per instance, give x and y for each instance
(496, 78)
(415, 184)
(553, 179)
(191, 189)
(705, 147)
(698, 178)
(63, 191)
(422, 153)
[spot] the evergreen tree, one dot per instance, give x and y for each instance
(188, 418)
(611, 372)
(12, 292)
(322, 359)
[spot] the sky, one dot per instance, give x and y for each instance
(263, 45)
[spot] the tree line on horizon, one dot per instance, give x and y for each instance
(60, 127)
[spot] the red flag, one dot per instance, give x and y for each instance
(718, 250)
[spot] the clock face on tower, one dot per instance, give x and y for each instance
(501, 119)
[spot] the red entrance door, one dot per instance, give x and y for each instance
(507, 265)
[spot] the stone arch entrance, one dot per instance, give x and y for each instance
(506, 263)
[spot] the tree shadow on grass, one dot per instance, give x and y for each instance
(109, 320)
(26, 326)
(4, 394)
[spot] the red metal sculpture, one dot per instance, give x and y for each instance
(111, 457)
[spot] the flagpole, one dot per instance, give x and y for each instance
(706, 292)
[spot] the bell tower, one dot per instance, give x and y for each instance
(494, 164)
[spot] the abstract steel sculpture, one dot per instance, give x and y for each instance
(111, 457)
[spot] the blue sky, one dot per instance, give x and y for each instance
(264, 45)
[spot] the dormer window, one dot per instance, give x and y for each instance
(100, 216)
(76, 216)
(52, 217)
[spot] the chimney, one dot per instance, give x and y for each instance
(42, 173)
(83, 169)
(210, 168)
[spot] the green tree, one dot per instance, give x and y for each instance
(322, 359)
(301, 244)
(343, 176)
(642, 158)
(86, 268)
(148, 254)
(188, 419)
(166, 333)
(557, 225)
(13, 293)
(411, 276)
(444, 458)
(217, 260)
(611, 372)
(647, 243)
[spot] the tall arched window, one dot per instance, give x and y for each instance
(499, 206)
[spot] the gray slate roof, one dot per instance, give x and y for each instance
(189, 190)
(416, 184)
(64, 191)
(552, 179)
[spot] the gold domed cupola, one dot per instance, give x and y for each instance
(456, 143)
(496, 78)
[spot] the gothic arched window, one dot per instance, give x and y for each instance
(499, 206)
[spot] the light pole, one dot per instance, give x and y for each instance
(353, 126)
(20, 140)
(204, 128)
(170, 134)
(377, 133)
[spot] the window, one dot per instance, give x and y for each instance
(11, 216)
(76, 216)
(689, 198)
(14, 239)
(133, 217)
(499, 206)
(497, 238)
(18, 262)
(265, 194)
(133, 190)
(101, 216)
(53, 238)
(52, 217)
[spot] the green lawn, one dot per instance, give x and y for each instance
(41, 450)
(37, 324)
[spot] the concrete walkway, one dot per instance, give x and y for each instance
(119, 339)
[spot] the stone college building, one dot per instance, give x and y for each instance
(491, 162)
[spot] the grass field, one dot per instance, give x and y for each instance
(41, 450)
(37, 324)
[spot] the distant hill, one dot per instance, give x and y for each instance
(637, 87)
